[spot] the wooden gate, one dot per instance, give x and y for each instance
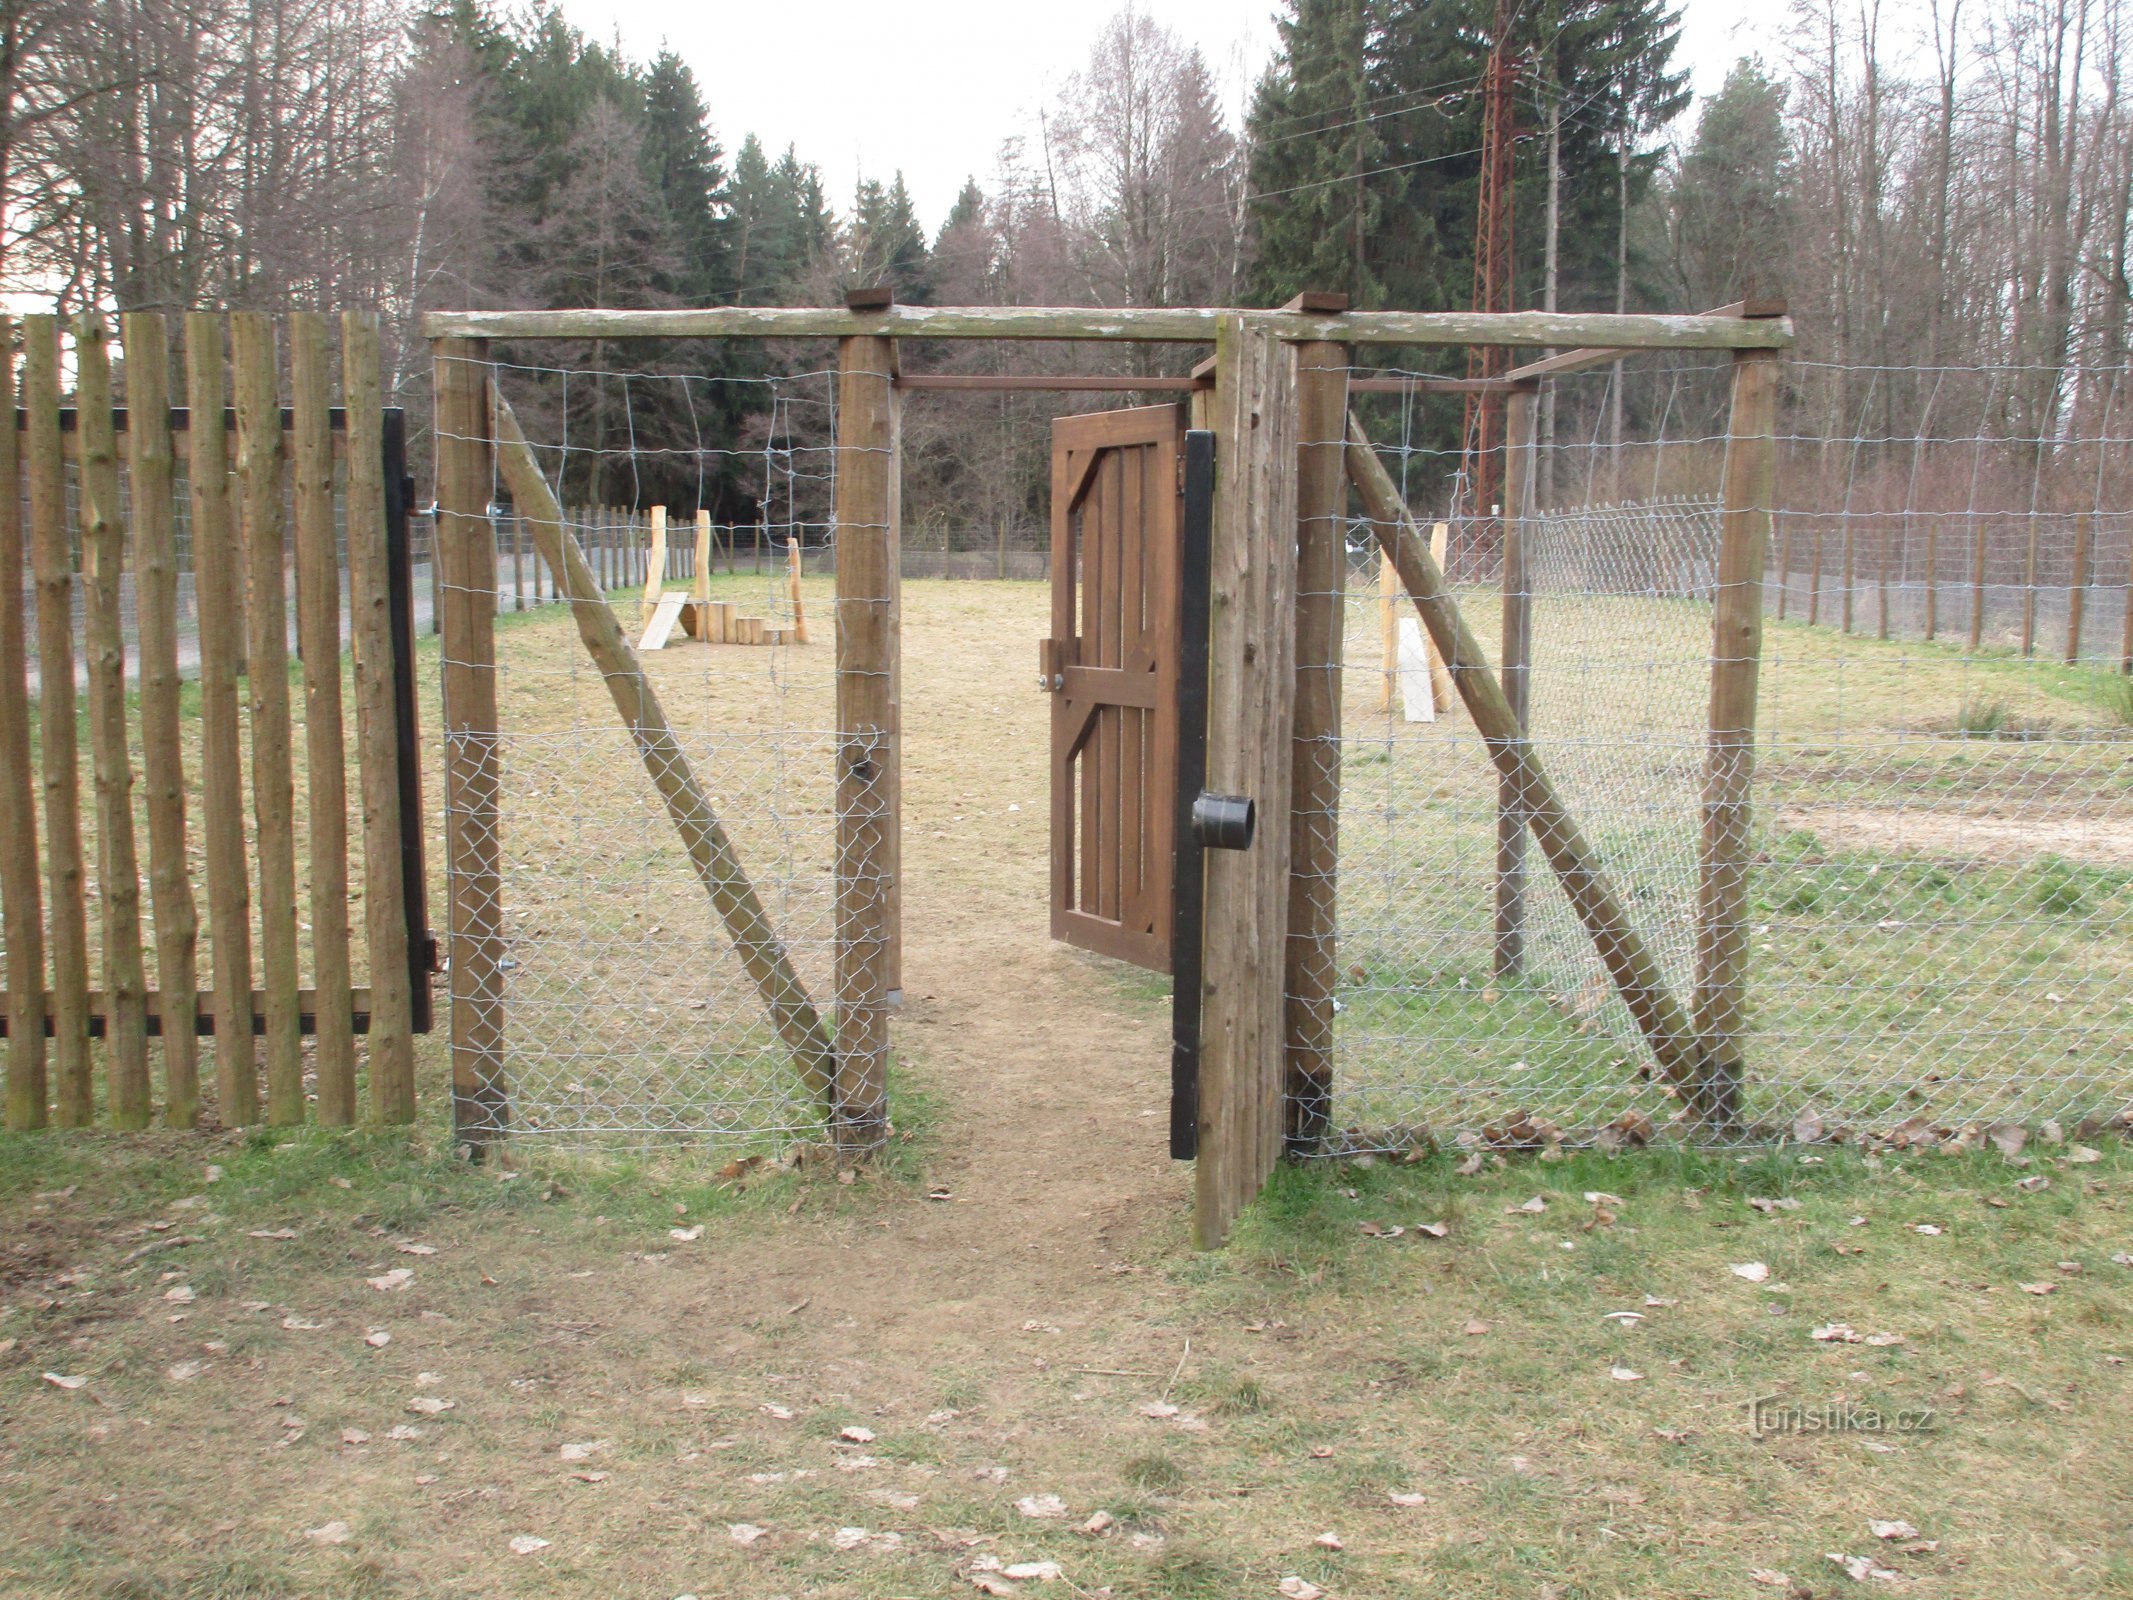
(1111, 666)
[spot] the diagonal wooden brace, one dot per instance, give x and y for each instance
(1622, 950)
(711, 852)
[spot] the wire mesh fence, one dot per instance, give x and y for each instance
(629, 1015)
(1942, 876)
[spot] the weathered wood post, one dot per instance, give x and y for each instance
(2077, 586)
(866, 507)
(65, 875)
(1736, 660)
(472, 759)
(1251, 711)
(1315, 740)
(1511, 819)
(21, 895)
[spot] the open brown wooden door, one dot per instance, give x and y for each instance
(1111, 665)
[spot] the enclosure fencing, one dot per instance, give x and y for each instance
(1942, 875)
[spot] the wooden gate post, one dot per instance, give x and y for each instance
(866, 508)
(1736, 660)
(1251, 712)
(21, 895)
(1315, 747)
(1511, 816)
(466, 545)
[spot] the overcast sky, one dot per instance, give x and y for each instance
(932, 87)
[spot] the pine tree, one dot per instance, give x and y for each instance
(885, 243)
(683, 160)
(1313, 209)
(1732, 196)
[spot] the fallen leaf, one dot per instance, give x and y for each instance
(2040, 1288)
(1775, 1580)
(1860, 1568)
(1032, 1571)
(1835, 1333)
(377, 1338)
(403, 1432)
(1407, 1500)
(1471, 1166)
(1097, 1524)
(1881, 1341)
(1041, 1505)
(1625, 1375)
(1329, 1540)
(180, 1295)
(2081, 1155)
(769, 1408)
(1807, 1127)
(186, 1371)
(2008, 1137)
(1771, 1207)
(1436, 1230)
(428, 1405)
(335, 1532)
(1474, 1328)
(1296, 1588)
(857, 1435)
(2034, 1184)
(1532, 1207)
(408, 1247)
(354, 1436)
(272, 1233)
(986, 1583)
(60, 1380)
(744, 1534)
(398, 1278)
(1753, 1271)
(1655, 1300)
(299, 1325)
(1600, 1197)
(687, 1235)
(1895, 1528)
(524, 1544)
(1926, 1228)
(584, 1450)
(1159, 1409)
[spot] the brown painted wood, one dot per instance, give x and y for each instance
(146, 339)
(1250, 721)
(65, 876)
(21, 894)
(259, 485)
(1729, 773)
(866, 509)
(118, 871)
(473, 766)
(392, 1037)
(318, 627)
(1110, 666)
(218, 584)
(1315, 749)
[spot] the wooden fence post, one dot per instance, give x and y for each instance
(259, 458)
(2077, 586)
(1251, 713)
(318, 627)
(1736, 660)
(64, 873)
(21, 895)
(218, 581)
(103, 547)
(1932, 575)
(1511, 820)
(391, 1040)
(2029, 587)
(146, 342)
(866, 755)
(472, 767)
(1315, 739)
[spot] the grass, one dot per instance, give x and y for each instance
(1327, 1370)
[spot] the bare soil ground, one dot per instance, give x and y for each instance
(997, 1351)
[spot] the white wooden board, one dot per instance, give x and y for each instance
(661, 627)
(1415, 696)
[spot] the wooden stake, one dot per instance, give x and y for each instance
(391, 1040)
(1251, 715)
(2077, 586)
(1388, 629)
(1785, 573)
(1510, 948)
(64, 874)
(218, 581)
(1628, 959)
(1314, 742)
(118, 871)
(518, 567)
(866, 761)
(655, 567)
(1441, 693)
(701, 588)
(177, 919)
(1729, 779)
(473, 768)
(258, 385)
(711, 853)
(21, 895)
(799, 608)
(2029, 590)
(1977, 581)
(318, 628)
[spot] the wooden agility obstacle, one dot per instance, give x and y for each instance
(693, 611)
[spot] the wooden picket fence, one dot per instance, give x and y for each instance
(285, 468)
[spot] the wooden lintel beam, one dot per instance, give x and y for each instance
(1128, 324)
(1569, 361)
